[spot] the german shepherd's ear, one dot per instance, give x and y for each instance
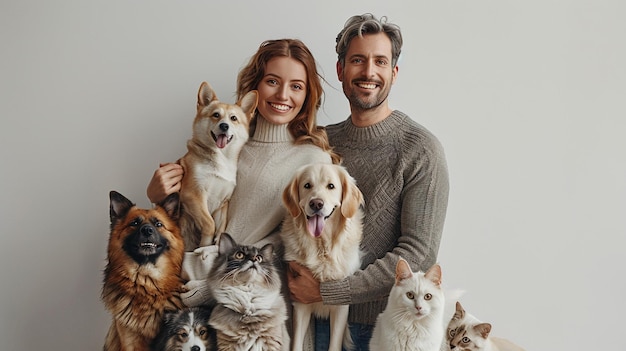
(352, 196)
(249, 102)
(170, 205)
(206, 94)
(290, 197)
(119, 206)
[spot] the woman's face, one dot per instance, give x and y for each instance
(282, 90)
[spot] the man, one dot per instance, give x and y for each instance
(399, 166)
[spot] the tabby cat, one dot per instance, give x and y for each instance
(413, 318)
(467, 333)
(250, 311)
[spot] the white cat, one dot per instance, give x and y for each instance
(467, 333)
(413, 318)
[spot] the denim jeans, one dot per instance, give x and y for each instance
(361, 335)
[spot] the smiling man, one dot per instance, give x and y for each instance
(399, 166)
(367, 73)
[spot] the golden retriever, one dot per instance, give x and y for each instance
(322, 232)
(220, 130)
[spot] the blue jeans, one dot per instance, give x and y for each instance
(361, 335)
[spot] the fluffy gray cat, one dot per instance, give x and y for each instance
(250, 313)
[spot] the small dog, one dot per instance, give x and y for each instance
(219, 132)
(186, 330)
(142, 277)
(323, 231)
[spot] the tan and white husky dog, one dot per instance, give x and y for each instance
(220, 130)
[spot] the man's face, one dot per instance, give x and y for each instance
(367, 74)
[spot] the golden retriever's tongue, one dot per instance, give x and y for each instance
(221, 141)
(315, 224)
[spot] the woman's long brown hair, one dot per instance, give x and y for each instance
(304, 126)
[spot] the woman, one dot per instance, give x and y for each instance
(283, 136)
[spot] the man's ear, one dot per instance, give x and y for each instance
(394, 74)
(339, 71)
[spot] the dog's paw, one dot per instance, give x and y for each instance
(207, 252)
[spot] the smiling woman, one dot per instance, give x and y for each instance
(282, 91)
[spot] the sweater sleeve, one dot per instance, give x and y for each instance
(423, 201)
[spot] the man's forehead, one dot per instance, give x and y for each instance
(377, 45)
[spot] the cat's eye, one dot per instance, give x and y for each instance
(428, 297)
(239, 255)
(410, 295)
(258, 258)
(466, 339)
(452, 332)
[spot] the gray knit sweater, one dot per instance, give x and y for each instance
(401, 169)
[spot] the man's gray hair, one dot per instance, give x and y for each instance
(368, 24)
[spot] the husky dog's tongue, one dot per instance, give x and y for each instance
(221, 141)
(315, 224)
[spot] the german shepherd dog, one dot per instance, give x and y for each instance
(142, 277)
(210, 165)
(186, 330)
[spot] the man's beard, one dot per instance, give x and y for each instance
(356, 100)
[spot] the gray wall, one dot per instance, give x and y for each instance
(526, 96)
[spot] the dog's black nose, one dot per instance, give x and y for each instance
(146, 230)
(223, 127)
(195, 348)
(316, 204)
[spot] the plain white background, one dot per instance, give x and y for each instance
(527, 97)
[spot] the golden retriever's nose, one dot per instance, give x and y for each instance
(316, 204)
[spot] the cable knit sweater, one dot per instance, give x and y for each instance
(401, 169)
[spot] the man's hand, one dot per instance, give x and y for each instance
(303, 287)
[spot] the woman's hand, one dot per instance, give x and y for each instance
(303, 287)
(166, 180)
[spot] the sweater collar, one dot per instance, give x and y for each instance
(378, 130)
(271, 133)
